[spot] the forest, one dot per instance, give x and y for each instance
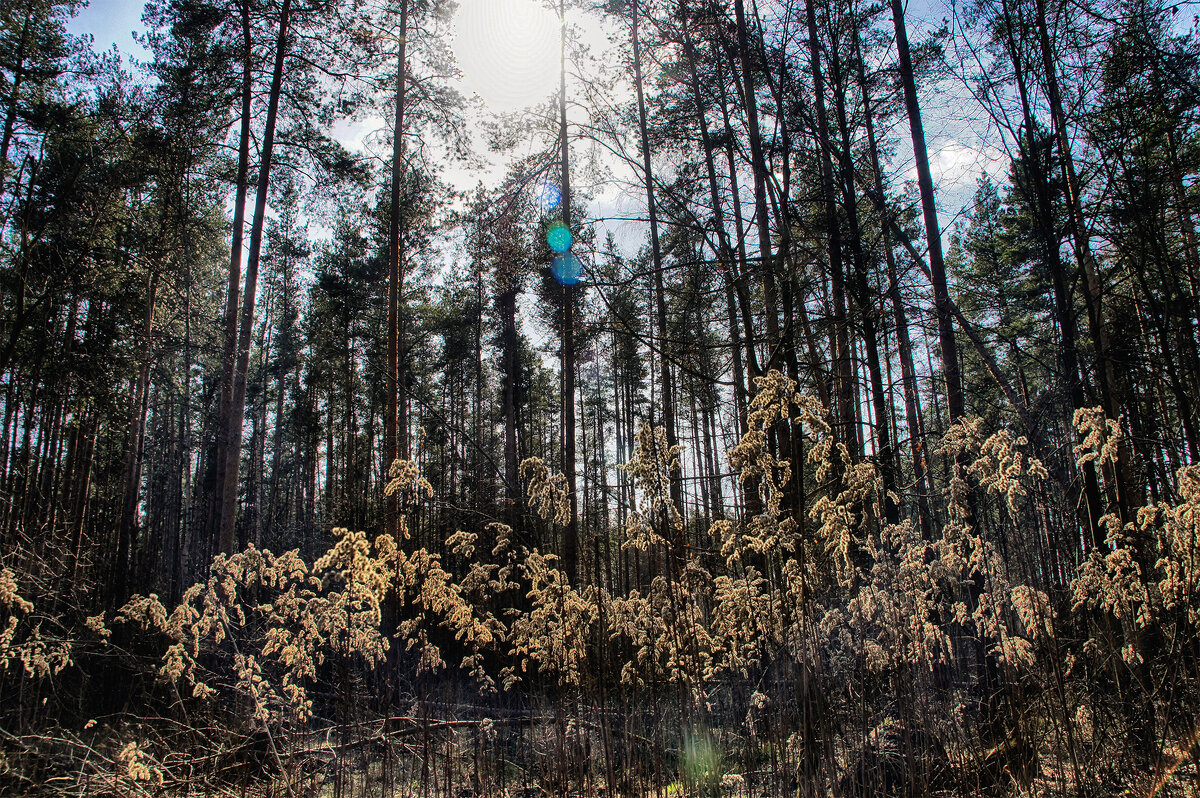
(692, 445)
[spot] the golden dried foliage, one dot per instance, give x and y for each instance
(138, 766)
(650, 468)
(21, 637)
(1100, 437)
(548, 493)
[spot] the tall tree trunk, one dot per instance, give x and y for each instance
(725, 253)
(660, 302)
(570, 544)
(908, 374)
(134, 445)
(79, 503)
(1064, 310)
(742, 268)
(258, 448)
(237, 408)
(843, 365)
(229, 352)
(790, 440)
(511, 380)
(758, 165)
(273, 495)
(861, 290)
(395, 437)
(14, 94)
(955, 396)
(1086, 260)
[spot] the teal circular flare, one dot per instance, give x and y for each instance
(567, 269)
(559, 237)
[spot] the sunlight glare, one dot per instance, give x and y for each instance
(508, 51)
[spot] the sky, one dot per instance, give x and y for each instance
(507, 49)
(112, 22)
(508, 52)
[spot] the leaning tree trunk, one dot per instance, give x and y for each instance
(228, 508)
(955, 396)
(1064, 310)
(229, 352)
(1087, 262)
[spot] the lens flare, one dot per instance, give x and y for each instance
(700, 763)
(1185, 754)
(567, 269)
(559, 237)
(548, 195)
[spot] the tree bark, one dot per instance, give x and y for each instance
(955, 396)
(570, 544)
(134, 445)
(229, 352)
(660, 302)
(228, 508)
(395, 437)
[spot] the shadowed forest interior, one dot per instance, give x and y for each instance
(672, 435)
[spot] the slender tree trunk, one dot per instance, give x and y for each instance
(862, 293)
(273, 501)
(185, 526)
(18, 76)
(127, 529)
(758, 166)
(789, 439)
(511, 377)
(660, 302)
(1106, 373)
(79, 503)
(843, 366)
(229, 352)
(725, 253)
(237, 409)
(570, 547)
(1064, 311)
(742, 272)
(258, 449)
(908, 374)
(955, 396)
(395, 437)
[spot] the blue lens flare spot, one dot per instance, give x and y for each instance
(559, 237)
(547, 196)
(567, 269)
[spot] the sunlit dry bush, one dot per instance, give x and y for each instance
(812, 601)
(21, 639)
